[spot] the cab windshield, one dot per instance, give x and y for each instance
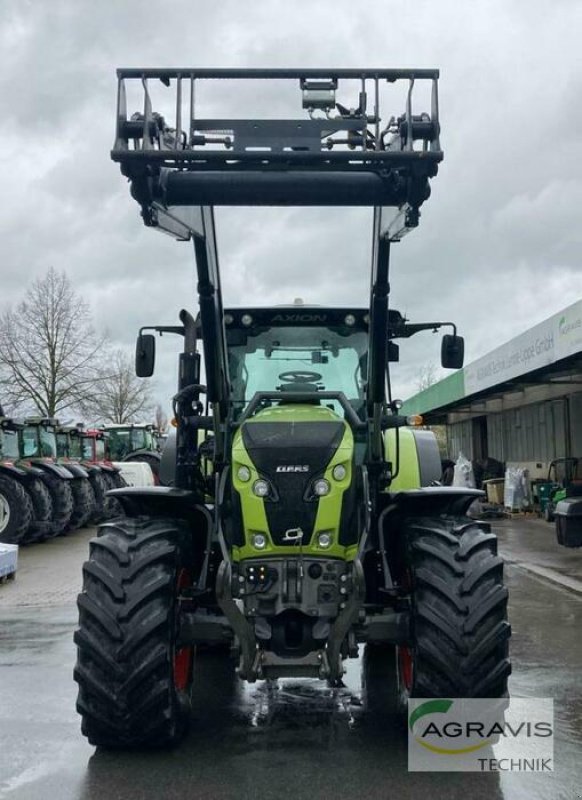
(74, 447)
(39, 441)
(9, 442)
(87, 447)
(123, 441)
(298, 359)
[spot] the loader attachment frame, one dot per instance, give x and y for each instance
(182, 164)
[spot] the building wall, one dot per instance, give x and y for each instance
(575, 417)
(460, 439)
(537, 432)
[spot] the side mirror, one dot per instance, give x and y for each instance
(393, 351)
(452, 351)
(145, 355)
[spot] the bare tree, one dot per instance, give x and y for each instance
(119, 395)
(160, 419)
(426, 377)
(48, 348)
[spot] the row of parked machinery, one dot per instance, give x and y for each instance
(53, 479)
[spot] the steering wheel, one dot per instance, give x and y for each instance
(300, 376)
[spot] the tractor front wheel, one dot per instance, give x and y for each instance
(113, 507)
(15, 511)
(460, 631)
(99, 487)
(83, 503)
(134, 677)
(62, 500)
(42, 526)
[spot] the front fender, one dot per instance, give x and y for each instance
(12, 470)
(76, 470)
(433, 501)
(90, 467)
(142, 452)
(108, 467)
(55, 469)
(160, 501)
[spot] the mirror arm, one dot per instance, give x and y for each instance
(406, 330)
(161, 329)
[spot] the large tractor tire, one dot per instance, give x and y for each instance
(42, 525)
(113, 507)
(62, 500)
(99, 487)
(15, 511)
(459, 612)
(134, 681)
(83, 503)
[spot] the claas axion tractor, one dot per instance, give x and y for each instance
(302, 514)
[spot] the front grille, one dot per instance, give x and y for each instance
(291, 510)
(273, 444)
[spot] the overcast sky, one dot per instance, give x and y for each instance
(500, 241)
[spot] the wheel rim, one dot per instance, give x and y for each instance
(404, 655)
(405, 668)
(183, 656)
(4, 513)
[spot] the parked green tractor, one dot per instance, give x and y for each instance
(88, 448)
(95, 444)
(564, 480)
(321, 524)
(67, 481)
(135, 442)
(25, 502)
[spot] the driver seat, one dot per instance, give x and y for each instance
(301, 388)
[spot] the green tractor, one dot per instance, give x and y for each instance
(564, 480)
(135, 442)
(88, 448)
(67, 480)
(25, 501)
(321, 524)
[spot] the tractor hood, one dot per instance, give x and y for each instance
(293, 439)
(289, 448)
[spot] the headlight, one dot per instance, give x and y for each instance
(259, 541)
(339, 472)
(261, 488)
(246, 320)
(243, 473)
(324, 539)
(350, 320)
(321, 487)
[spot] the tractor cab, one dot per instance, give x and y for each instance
(39, 438)
(300, 353)
(9, 439)
(94, 445)
(134, 442)
(125, 440)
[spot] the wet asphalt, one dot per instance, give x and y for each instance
(295, 739)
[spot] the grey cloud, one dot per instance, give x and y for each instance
(502, 221)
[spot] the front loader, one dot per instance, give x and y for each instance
(303, 516)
